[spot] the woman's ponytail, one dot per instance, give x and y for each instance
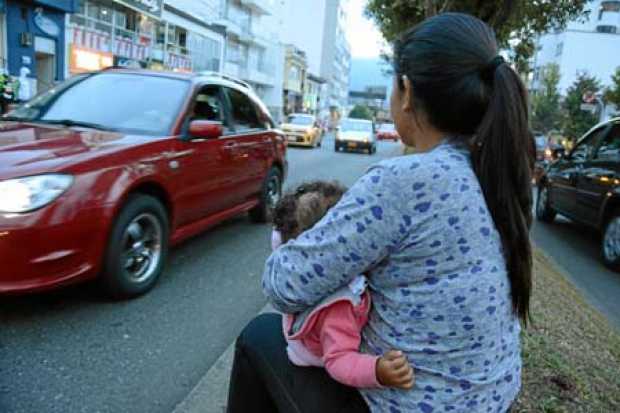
(466, 90)
(502, 161)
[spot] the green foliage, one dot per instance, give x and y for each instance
(578, 121)
(361, 112)
(516, 22)
(612, 94)
(546, 109)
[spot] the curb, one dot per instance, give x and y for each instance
(211, 393)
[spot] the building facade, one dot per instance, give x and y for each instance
(295, 68)
(253, 49)
(318, 28)
(143, 34)
(592, 46)
(33, 42)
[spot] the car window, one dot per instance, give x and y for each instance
(358, 126)
(610, 148)
(131, 103)
(585, 149)
(300, 120)
(244, 113)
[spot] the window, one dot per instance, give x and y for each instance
(244, 113)
(606, 29)
(584, 150)
(610, 6)
(208, 105)
(610, 148)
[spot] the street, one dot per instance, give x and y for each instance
(577, 251)
(72, 351)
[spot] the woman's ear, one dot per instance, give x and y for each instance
(407, 105)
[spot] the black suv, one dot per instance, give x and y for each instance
(585, 186)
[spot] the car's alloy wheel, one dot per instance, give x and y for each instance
(137, 247)
(142, 247)
(611, 243)
(544, 212)
(270, 195)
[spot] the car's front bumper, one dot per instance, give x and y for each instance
(50, 247)
(354, 145)
(300, 139)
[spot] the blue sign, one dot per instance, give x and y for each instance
(1, 6)
(46, 25)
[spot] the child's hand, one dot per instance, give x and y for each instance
(394, 370)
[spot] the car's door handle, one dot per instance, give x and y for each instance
(230, 145)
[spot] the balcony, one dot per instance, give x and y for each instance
(260, 7)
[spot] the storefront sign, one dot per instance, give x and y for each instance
(179, 63)
(152, 7)
(85, 60)
(45, 24)
(102, 42)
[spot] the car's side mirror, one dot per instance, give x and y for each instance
(205, 129)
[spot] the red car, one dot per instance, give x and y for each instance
(387, 131)
(99, 175)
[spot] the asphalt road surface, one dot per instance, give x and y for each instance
(72, 351)
(577, 250)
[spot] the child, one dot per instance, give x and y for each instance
(329, 334)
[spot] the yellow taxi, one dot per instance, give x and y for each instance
(303, 130)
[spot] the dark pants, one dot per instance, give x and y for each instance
(264, 380)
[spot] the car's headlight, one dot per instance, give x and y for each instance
(32, 192)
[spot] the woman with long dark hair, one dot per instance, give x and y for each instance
(441, 234)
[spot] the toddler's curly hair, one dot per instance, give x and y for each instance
(303, 207)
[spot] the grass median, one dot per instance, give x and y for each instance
(571, 354)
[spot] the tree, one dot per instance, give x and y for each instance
(361, 112)
(516, 22)
(612, 94)
(546, 108)
(578, 121)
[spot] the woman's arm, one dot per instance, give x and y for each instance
(357, 233)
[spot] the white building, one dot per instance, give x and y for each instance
(253, 49)
(318, 28)
(592, 45)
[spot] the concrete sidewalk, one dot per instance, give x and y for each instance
(211, 392)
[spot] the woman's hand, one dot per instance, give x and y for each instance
(394, 370)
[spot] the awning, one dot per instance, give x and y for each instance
(68, 6)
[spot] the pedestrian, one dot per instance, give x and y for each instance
(442, 235)
(329, 334)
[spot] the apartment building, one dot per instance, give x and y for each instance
(592, 45)
(253, 49)
(318, 28)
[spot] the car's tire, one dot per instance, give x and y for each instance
(336, 148)
(610, 242)
(544, 212)
(269, 196)
(369, 150)
(137, 248)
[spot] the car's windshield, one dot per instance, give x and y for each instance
(300, 120)
(387, 127)
(127, 102)
(356, 125)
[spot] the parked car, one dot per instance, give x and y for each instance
(356, 134)
(99, 175)
(585, 186)
(387, 131)
(302, 129)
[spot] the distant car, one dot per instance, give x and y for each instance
(303, 130)
(387, 131)
(585, 186)
(546, 153)
(355, 134)
(99, 175)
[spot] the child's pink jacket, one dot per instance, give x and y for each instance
(330, 335)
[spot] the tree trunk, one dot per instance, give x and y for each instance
(430, 8)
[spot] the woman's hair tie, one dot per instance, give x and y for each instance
(488, 71)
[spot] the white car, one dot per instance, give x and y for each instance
(356, 134)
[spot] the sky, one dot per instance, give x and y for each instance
(364, 37)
